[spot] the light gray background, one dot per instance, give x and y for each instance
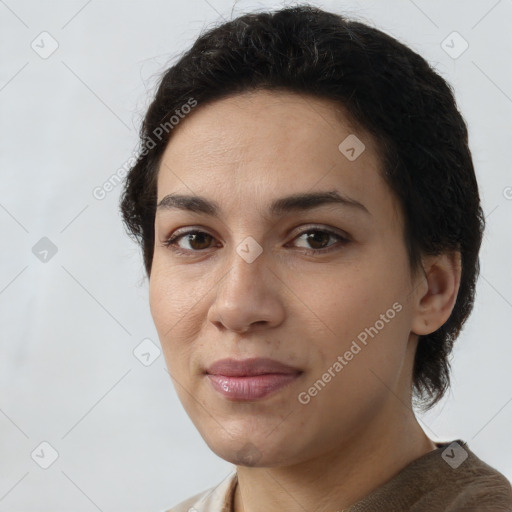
(68, 375)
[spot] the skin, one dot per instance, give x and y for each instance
(301, 309)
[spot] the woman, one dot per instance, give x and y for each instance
(310, 221)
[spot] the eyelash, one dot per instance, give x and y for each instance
(171, 241)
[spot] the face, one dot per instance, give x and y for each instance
(321, 286)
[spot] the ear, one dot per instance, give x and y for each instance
(436, 291)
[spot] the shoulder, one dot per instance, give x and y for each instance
(462, 482)
(481, 486)
(214, 499)
(449, 479)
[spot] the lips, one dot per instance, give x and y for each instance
(250, 379)
(249, 367)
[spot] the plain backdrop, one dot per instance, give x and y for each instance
(73, 297)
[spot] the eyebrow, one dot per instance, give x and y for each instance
(280, 206)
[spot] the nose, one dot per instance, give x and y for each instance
(249, 295)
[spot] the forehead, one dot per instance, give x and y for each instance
(250, 148)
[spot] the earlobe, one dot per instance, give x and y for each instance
(433, 307)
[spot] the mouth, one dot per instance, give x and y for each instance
(250, 379)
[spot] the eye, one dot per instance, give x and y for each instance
(198, 241)
(318, 239)
(196, 238)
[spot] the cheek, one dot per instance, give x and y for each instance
(170, 296)
(363, 304)
(362, 380)
(178, 314)
(159, 296)
(340, 303)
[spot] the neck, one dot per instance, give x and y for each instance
(337, 479)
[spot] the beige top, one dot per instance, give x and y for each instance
(449, 479)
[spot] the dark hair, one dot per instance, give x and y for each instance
(385, 88)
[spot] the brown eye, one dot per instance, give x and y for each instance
(318, 240)
(197, 240)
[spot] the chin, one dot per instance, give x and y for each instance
(251, 451)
